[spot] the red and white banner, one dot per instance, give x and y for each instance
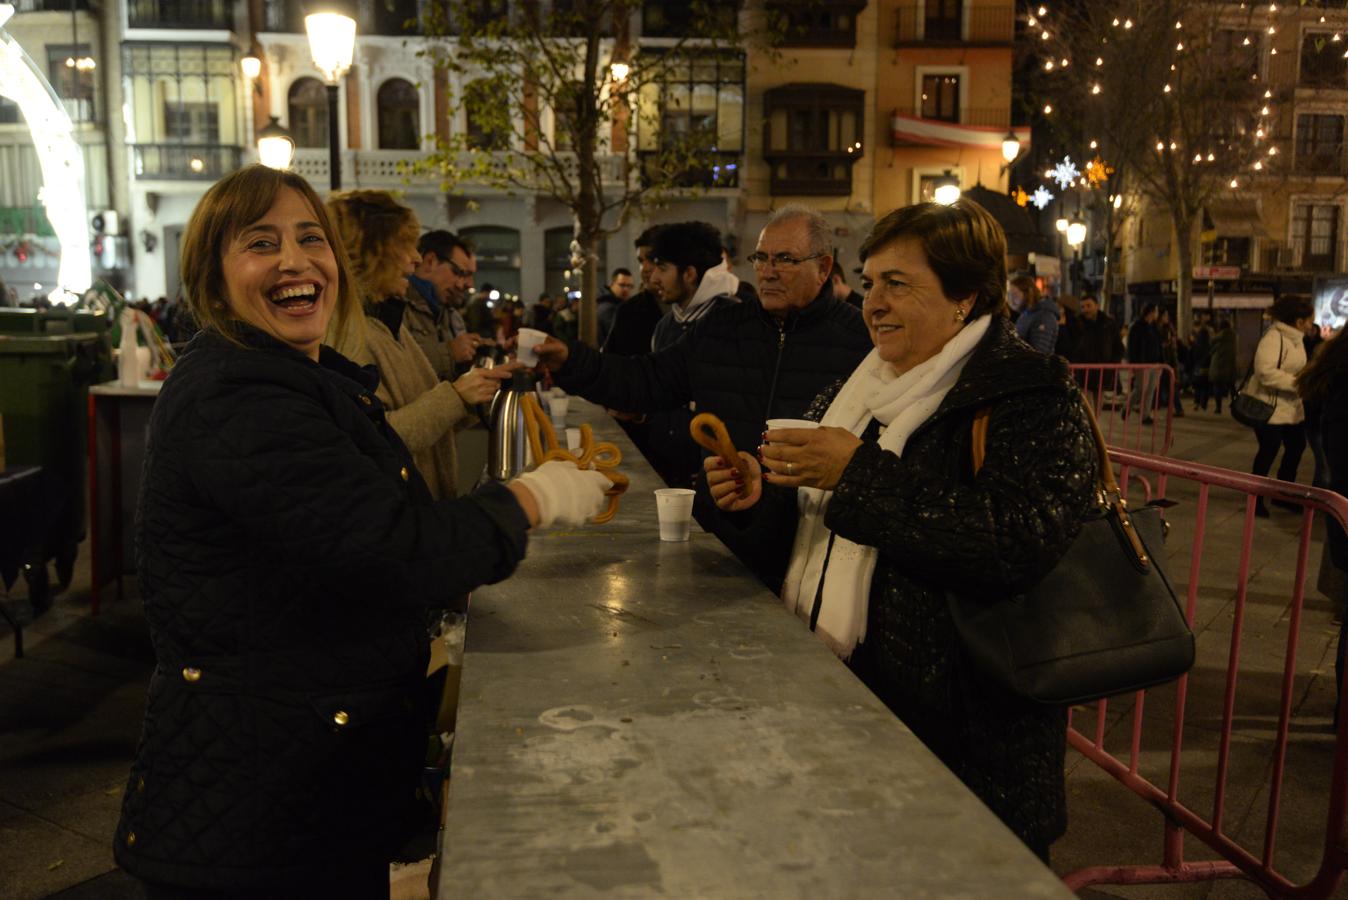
(933, 133)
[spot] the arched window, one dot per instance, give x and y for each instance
(498, 256)
(308, 109)
(487, 104)
(399, 109)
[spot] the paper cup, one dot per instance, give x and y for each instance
(573, 439)
(558, 407)
(674, 507)
(528, 339)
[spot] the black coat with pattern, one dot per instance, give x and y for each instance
(939, 528)
(742, 364)
(287, 551)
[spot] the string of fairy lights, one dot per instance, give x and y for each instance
(1263, 24)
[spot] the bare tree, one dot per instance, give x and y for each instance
(559, 101)
(1172, 93)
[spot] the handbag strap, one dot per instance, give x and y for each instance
(1107, 493)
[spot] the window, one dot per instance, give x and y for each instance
(696, 107)
(487, 105)
(1231, 251)
(9, 112)
(392, 17)
(72, 83)
(191, 123)
(926, 187)
(498, 256)
(812, 137)
(1319, 144)
(941, 97)
(1315, 234)
(399, 107)
(680, 18)
(1322, 61)
(944, 20)
(563, 115)
(307, 106)
(810, 23)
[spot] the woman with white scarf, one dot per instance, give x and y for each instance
(892, 517)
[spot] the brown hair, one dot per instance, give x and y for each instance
(232, 204)
(1327, 364)
(1029, 288)
(371, 223)
(1290, 307)
(964, 245)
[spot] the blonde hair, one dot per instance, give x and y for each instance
(231, 205)
(372, 224)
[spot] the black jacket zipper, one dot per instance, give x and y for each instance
(776, 370)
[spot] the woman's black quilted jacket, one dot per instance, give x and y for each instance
(938, 528)
(287, 554)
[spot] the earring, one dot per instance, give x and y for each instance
(959, 314)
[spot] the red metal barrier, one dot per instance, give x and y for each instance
(1135, 403)
(1194, 484)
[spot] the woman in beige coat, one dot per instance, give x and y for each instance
(380, 237)
(1280, 356)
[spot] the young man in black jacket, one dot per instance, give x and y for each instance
(746, 362)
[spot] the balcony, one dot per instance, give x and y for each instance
(803, 173)
(185, 162)
(388, 168)
(977, 26)
(721, 171)
(213, 15)
(61, 6)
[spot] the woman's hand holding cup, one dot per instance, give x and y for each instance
(724, 483)
(805, 454)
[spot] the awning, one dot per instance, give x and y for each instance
(1022, 236)
(1236, 217)
(934, 133)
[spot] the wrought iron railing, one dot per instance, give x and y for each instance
(193, 14)
(187, 162)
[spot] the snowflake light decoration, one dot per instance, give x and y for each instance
(1065, 173)
(1041, 197)
(1098, 171)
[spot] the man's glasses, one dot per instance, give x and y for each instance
(779, 260)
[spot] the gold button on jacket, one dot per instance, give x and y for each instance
(191, 674)
(404, 473)
(340, 717)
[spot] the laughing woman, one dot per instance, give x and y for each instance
(287, 554)
(892, 515)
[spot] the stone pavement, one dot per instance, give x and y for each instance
(70, 716)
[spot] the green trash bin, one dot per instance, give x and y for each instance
(57, 320)
(44, 389)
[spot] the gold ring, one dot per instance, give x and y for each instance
(790, 468)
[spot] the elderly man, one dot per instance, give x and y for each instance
(746, 362)
(439, 287)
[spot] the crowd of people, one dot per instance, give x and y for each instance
(301, 520)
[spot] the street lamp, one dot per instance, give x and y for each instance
(275, 146)
(1061, 225)
(1010, 147)
(251, 66)
(1076, 233)
(332, 41)
(947, 189)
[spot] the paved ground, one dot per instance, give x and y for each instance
(70, 715)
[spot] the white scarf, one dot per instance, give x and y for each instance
(901, 403)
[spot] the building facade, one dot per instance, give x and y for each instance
(863, 106)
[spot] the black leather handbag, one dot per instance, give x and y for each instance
(1105, 621)
(1247, 409)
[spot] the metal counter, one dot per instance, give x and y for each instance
(643, 719)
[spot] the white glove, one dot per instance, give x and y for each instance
(565, 494)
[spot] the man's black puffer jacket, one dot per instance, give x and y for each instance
(939, 528)
(287, 551)
(745, 366)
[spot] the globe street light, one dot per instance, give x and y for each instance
(1010, 147)
(275, 146)
(332, 41)
(1076, 233)
(947, 189)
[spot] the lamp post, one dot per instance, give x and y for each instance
(332, 41)
(275, 146)
(947, 188)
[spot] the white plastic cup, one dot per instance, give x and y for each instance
(780, 424)
(526, 341)
(556, 392)
(674, 508)
(573, 439)
(559, 406)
